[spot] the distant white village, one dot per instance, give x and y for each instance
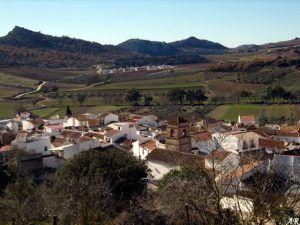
(165, 145)
(103, 71)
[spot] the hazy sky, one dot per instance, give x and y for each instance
(230, 22)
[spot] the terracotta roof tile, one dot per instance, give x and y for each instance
(218, 154)
(175, 158)
(202, 136)
(96, 134)
(287, 133)
(151, 145)
(59, 141)
(269, 143)
(71, 134)
(293, 128)
(247, 119)
(83, 139)
(111, 133)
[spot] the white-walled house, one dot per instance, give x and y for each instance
(73, 122)
(28, 125)
(67, 147)
(35, 143)
(203, 141)
(141, 149)
(161, 161)
(53, 128)
(237, 141)
(111, 135)
(107, 118)
(85, 120)
(13, 125)
(224, 162)
(130, 130)
(287, 165)
(146, 120)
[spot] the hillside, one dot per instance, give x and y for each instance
(189, 46)
(23, 47)
(199, 46)
(153, 48)
(21, 37)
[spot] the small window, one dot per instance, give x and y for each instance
(45, 148)
(172, 133)
(252, 144)
(245, 145)
(184, 133)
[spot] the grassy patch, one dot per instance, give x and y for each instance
(188, 81)
(9, 91)
(48, 112)
(14, 80)
(231, 112)
(7, 109)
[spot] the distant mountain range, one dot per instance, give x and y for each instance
(25, 47)
(190, 45)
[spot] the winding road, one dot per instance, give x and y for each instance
(30, 92)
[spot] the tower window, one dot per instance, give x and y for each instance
(184, 133)
(172, 133)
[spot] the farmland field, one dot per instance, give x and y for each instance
(15, 80)
(48, 112)
(9, 91)
(193, 80)
(231, 112)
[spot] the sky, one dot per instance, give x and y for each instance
(229, 22)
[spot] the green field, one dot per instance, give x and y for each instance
(193, 80)
(14, 80)
(231, 112)
(48, 112)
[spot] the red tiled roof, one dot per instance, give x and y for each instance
(96, 134)
(264, 132)
(287, 133)
(291, 128)
(5, 148)
(22, 133)
(94, 122)
(269, 143)
(247, 119)
(127, 143)
(54, 126)
(83, 139)
(111, 133)
(81, 118)
(175, 158)
(71, 134)
(218, 154)
(137, 117)
(151, 145)
(59, 141)
(202, 136)
(242, 170)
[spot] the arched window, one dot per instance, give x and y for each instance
(184, 133)
(245, 145)
(172, 133)
(252, 145)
